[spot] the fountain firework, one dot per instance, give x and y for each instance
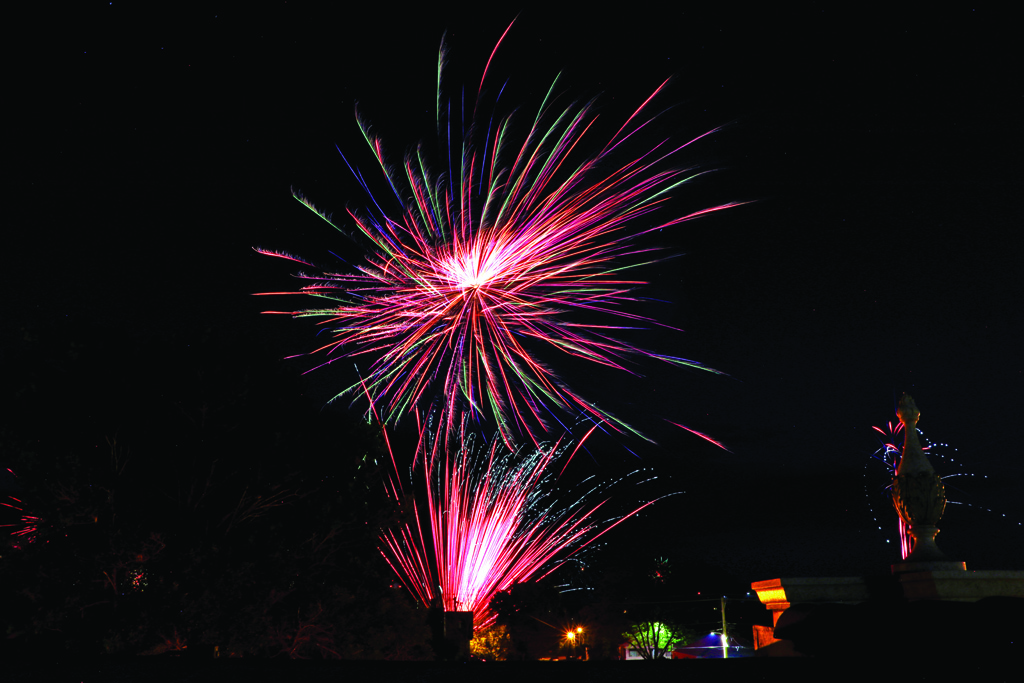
(494, 517)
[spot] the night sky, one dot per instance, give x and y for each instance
(878, 254)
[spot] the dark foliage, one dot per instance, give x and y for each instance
(225, 524)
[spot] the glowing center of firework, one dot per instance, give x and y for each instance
(472, 270)
(474, 282)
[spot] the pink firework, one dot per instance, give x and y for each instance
(26, 528)
(494, 519)
(890, 454)
(27, 525)
(497, 257)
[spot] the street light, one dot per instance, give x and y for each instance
(571, 635)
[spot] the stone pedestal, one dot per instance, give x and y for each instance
(829, 616)
(960, 585)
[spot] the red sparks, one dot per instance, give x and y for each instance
(493, 520)
(485, 263)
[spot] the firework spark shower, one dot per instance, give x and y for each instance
(494, 519)
(518, 245)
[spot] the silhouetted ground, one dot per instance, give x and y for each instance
(979, 667)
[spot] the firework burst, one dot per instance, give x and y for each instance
(502, 254)
(494, 518)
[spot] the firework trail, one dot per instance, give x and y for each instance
(890, 453)
(27, 525)
(26, 528)
(493, 519)
(502, 253)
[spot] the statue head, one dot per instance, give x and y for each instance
(907, 412)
